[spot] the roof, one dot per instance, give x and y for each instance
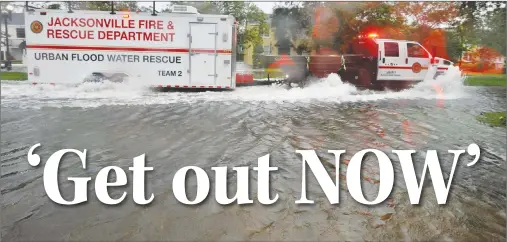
(17, 19)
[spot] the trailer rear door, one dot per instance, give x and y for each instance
(203, 37)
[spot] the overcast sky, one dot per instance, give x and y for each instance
(267, 7)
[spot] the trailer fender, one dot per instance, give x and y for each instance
(99, 77)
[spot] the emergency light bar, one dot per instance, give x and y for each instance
(372, 35)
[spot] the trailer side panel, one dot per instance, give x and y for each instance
(150, 50)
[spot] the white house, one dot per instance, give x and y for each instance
(16, 31)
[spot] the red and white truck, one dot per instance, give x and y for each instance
(373, 63)
(180, 49)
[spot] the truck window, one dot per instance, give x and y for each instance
(366, 47)
(391, 49)
(416, 51)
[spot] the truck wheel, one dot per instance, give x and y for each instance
(365, 78)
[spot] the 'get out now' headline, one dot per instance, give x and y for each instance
(309, 163)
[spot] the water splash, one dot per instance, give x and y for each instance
(330, 89)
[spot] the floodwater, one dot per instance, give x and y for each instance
(116, 123)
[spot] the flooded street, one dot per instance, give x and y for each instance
(116, 123)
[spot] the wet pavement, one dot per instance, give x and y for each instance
(117, 123)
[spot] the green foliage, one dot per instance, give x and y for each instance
(483, 25)
(469, 23)
(290, 23)
(486, 80)
(493, 32)
(13, 76)
(494, 119)
(54, 6)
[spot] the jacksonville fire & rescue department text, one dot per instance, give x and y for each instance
(57, 33)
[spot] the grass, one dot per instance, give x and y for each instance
(486, 80)
(14, 76)
(494, 119)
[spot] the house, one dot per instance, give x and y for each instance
(16, 31)
(482, 59)
(270, 45)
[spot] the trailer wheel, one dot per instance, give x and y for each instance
(118, 77)
(95, 77)
(365, 78)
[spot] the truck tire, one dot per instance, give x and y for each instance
(365, 78)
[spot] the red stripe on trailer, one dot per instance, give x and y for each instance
(129, 49)
(177, 86)
(408, 67)
(399, 67)
(159, 86)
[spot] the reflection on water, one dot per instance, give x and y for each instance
(235, 129)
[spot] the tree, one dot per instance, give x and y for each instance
(481, 24)
(428, 14)
(251, 21)
(493, 29)
(337, 24)
(54, 6)
(291, 22)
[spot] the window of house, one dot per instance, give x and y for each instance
(20, 32)
(392, 49)
(417, 51)
(267, 49)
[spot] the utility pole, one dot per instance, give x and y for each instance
(7, 15)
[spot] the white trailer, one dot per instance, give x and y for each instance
(181, 49)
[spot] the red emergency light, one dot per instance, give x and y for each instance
(369, 36)
(372, 35)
